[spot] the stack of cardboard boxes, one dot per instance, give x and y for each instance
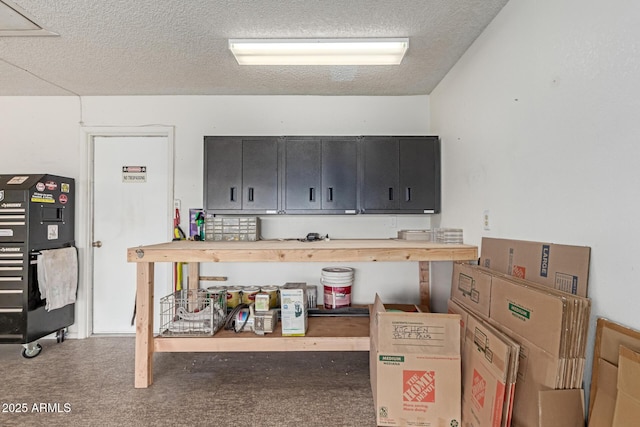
(511, 350)
(548, 324)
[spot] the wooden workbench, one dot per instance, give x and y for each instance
(324, 333)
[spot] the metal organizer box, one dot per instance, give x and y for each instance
(238, 228)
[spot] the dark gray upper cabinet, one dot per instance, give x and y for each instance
(380, 174)
(302, 174)
(419, 174)
(241, 174)
(320, 175)
(340, 175)
(400, 175)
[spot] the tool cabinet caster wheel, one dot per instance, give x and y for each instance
(31, 351)
(60, 335)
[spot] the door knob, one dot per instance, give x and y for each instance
(97, 244)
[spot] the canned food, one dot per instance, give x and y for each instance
(249, 294)
(233, 296)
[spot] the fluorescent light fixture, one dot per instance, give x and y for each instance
(389, 51)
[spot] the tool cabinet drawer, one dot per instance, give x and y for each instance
(12, 325)
(10, 298)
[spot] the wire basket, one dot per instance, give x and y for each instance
(192, 312)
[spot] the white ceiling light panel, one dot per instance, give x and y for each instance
(386, 51)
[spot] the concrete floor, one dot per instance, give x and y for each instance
(90, 383)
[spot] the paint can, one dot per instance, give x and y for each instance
(233, 296)
(249, 294)
(337, 283)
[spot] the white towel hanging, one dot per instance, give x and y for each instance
(58, 277)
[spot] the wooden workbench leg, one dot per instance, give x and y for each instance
(144, 325)
(425, 297)
(194, 275)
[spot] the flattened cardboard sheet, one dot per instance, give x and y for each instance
(561, 267)
(609, 337)
(605, 400)
(561, 408)
(627, 410)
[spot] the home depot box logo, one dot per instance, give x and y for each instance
(519, 272)
(478, 389)
(419, 386)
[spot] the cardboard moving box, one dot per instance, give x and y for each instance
(551, 328)
(562, 267)
(605, 399)
(627, 410)
(415, 367)
(489, 370)
(611, 339)
(553, 320)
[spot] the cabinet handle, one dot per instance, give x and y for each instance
(330, 194)
(390, 193)
(407, 194)
(232, 194)
(312, 194)
(251, 194)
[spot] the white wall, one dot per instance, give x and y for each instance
(43, 134)
(539, 123)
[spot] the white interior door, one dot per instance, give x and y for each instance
(132, 194)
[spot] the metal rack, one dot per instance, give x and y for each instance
(192, 312)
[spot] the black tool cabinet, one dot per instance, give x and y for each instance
(36, 213)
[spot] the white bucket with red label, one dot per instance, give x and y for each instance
(337, 282)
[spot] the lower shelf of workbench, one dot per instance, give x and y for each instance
(323, 334)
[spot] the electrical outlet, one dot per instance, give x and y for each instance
(486, 221)
(176, 204)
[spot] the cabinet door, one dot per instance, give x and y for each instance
(240, 174)
(339, 174)
(380, 173)
(260, 174)
(302, 168)
(222, 173)
(419, 174)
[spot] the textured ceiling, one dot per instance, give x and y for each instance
(179, 47)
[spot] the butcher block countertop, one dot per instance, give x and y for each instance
(348, 250)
